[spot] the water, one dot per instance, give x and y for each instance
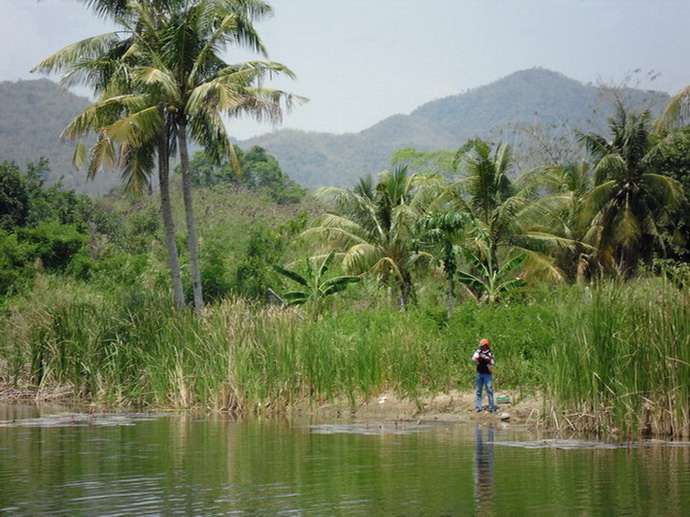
(54, 463)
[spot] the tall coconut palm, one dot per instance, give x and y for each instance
(570, 183)
(101, 62)
(374, 226)
(197, 86)
(167, 79)
(629, 200)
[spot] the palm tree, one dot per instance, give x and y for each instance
(629, 200)
(507, 214)
(374, 226)
(570, 183)
(165, 82)
(196, 87)
(98, 62)
(676, 113)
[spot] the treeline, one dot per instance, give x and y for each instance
(493, 229)
(467, 217)
(116, 241)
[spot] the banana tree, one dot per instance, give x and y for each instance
(314, 286)
(486, 283)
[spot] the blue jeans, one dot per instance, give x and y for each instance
(485, 380)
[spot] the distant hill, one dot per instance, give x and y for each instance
(528, 97)
(34, 113)
(32, 116)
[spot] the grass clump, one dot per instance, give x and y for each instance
(621, 364)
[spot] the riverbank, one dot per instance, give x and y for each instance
(453, 406)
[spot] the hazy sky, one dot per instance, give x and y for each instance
(360, 61)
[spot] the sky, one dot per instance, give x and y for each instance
(360, 61)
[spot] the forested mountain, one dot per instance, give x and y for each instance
(529, 97)
(32, 116)
(33, 113)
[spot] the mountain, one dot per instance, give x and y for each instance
(527, 97)
(33, 114)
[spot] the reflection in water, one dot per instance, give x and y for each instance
(484, 470)
(211, 465)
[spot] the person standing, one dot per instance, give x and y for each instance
(484, 358)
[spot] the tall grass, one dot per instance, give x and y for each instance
(621, 363)
(235, 356)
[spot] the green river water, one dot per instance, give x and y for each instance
(71, 464)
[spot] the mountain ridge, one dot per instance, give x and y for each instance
(35, 112)
(527, 97)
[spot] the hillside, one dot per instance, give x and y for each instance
(34, 113)
(533, 96)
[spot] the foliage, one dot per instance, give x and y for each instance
(373, 225)
(53, 243)
(315, 287)
(672, 159)
(14, 197)
(259, 171)
(509, 218)
(630, 201)
(488, 284)
(133, 348)
(622, 361)
(255, 273)
(15, 261)
(44, 227)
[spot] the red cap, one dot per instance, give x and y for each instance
(483, 342)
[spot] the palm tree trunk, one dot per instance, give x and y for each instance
(450, 302)
(450, 268)
(406, 293)
(189, 217)
(168, 224)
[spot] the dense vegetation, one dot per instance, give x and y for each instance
(384, 285)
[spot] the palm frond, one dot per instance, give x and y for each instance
(86, 50)
(676, 112)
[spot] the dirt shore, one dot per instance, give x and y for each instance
(455, 406)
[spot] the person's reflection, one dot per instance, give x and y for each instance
(484, 470)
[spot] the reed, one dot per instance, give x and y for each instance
(235, 356)
(621, 363)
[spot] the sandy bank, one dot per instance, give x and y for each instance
(455, 406)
